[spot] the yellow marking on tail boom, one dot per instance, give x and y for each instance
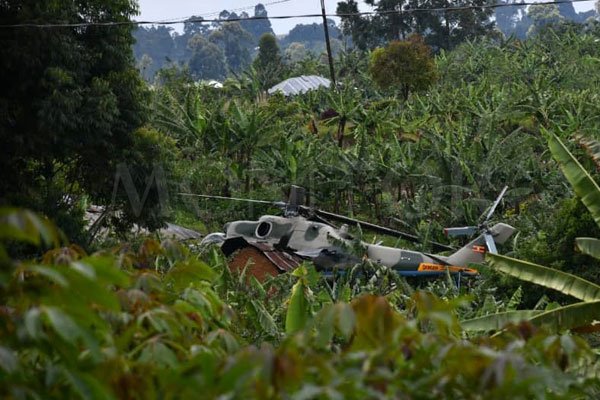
(439, 267)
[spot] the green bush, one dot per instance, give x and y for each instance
(157, 321)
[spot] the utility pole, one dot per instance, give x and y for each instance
(329, 55)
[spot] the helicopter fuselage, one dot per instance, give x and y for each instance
(327, 246)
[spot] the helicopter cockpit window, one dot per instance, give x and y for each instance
(263, 230)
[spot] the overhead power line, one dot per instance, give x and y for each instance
(282, 17)
(235, 10)
(178, 20)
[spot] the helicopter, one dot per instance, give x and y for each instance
(282, 243)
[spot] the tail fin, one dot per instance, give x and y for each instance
(474, 252)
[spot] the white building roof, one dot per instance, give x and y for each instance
(300, 84)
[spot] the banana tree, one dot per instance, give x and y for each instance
(348, 110)
(248, 131)
(583, 315)
(185, 121)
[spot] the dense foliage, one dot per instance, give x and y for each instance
(159, 322)
(441, 29)
(406, 66)
(72, 107)
(142, 317)
(430, 162)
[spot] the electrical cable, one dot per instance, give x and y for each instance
(283, 17)
(235, 10)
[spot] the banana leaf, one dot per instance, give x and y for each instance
(592, 147)
(584, 186)
(494, 322)
(569, 317)
(551, 278)
(298, 309)
(589, 246)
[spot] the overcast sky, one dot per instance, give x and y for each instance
(156, 10)
(160, 9)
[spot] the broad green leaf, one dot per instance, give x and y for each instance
(589, 246)
(346, 320)
(104, 269)
(264, 318)
(160, 319)
(87, 386)
(494, 322)
(51, 273)
(225, 339)
(584, 186)
(541, 303)
(300, 272)
(563, 282)
(69, 330)
(84, 269)
(33, 324)
(297, 312)
(156, 352)
(87, 288)
(27, 226)
(324, 324)
(569, 317)
(376, 322)
(148, 282)
(8, 360)
(190, 271)
(262, 293)
(515, 299)
(489, 306)
(63, 324)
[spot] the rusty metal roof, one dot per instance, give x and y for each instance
(283, 260)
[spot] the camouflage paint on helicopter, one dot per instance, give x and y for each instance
(306, 232)
(323, 244)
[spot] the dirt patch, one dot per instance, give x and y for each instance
(259, 265)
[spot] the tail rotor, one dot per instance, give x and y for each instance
(483, 228)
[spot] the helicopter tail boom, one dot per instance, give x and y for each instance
(475, 250)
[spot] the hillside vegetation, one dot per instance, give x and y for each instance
(111, 309)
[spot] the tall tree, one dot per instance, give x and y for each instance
(543, 16)
(268, 63)
(157, 43)
(354, 26)
(405, 65)
(296, 52)
(391, 25)
(507, 16)
(258, 27)
(441, 29)
(235, 43)
(192, 27)
(208, 59)
(448, 28)
(70, 106)
(304, 33)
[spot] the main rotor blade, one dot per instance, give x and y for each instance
(462, 231)
(491, 244)
(493, 208)
(377, 228)
(206, 196)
